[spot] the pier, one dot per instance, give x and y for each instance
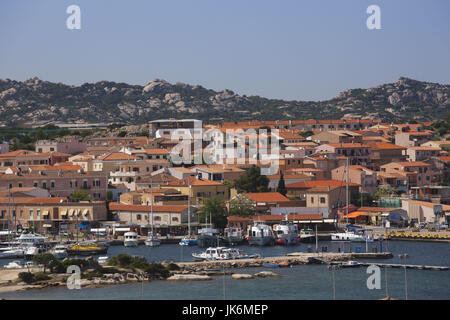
(407, 266)
(294, 258)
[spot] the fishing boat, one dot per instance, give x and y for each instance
(234, 236)
(286, 233)
(207, 238)
(86, 249)
(130, 239)
(275, 264)
(260, 234)
(218, 253)
(59, 252)
(307, 235)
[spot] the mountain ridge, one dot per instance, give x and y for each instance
(35, 100)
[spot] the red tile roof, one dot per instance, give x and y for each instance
(267, 197)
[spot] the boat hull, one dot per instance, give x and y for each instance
(260, 241)
(287, 239)
(152, 242)
(130, 243)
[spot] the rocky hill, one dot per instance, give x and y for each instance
(35, 100)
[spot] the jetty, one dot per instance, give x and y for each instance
(294, 258)
(407, 266)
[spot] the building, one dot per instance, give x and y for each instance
(412, 139)
(382, 153)
(266, 200)
(363, 176)
(4, 147)
(199, 189)
(422, 211)
(218, 172)
(165, 128)
(421, 153)
(418, 173)
(70, 145)
(338, 136)
(357, 153)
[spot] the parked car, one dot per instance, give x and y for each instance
(63, 233)
(422, 225)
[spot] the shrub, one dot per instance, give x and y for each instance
(26, 277)
(173, 267)
(157, 269)
(68, 262)
(41, 276)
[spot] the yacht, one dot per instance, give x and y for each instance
(130, 239)
(11, 253)
(260, 234)
(31, 251)
(13, 265)
(59, 251)
(103, 259)
(152, 240)
(234, 236)
(286, 233)
(30, 239)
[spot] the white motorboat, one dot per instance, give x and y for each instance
(260, 234)
(234, 235)
(13, 265)
(130, 239)
(238, 254)
(103, 259)
(350, 264)
(218, 253)
(152, 240)
(60, 252)
(347, 236)
(30, 239)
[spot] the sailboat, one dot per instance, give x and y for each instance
(189, 240)
(206, 236)
(152, 239)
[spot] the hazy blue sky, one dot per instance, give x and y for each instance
(288, 49)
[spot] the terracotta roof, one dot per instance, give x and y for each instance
(444, 158)
(408, 164)
(267, 197)
(193, 182)
(114, 206)
(347, 145)
(117, 156)
(384, 146)
(319, 183)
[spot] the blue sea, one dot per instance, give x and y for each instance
(300, 282)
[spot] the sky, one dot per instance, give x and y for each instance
(285, 49)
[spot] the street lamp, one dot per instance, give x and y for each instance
(333, 268)
(403, 258)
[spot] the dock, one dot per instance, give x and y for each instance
(291, 258)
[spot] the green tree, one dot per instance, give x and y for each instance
(385, 191)
(252, 181)
(80, 195)
(46, 259)
(214, 209)
(281, 185)
(242, 206)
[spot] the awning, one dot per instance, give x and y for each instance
(64, 213)
(71, 211)
(47, 225)
(356, 214)
(45, 213)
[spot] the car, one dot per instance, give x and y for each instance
(422, 225)
(63, 233)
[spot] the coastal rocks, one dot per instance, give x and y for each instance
(156, 85)
(242, 276)
(267, 274)
(189, 277)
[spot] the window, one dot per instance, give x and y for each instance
(35, 184)
(20, 185)
(157, 218)
(31, 213)
(52, 184)
(312, 199)
(322, 199)
(174, 219)
(138, 217)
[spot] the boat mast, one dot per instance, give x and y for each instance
(151, 199)
(189, 207)
(346, 191)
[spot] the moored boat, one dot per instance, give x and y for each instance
(286, 233)
(130, 239)
(260, 234)
(86, 249)
(275, 264)
(234, 236)
(152, 240)
(218, 253)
